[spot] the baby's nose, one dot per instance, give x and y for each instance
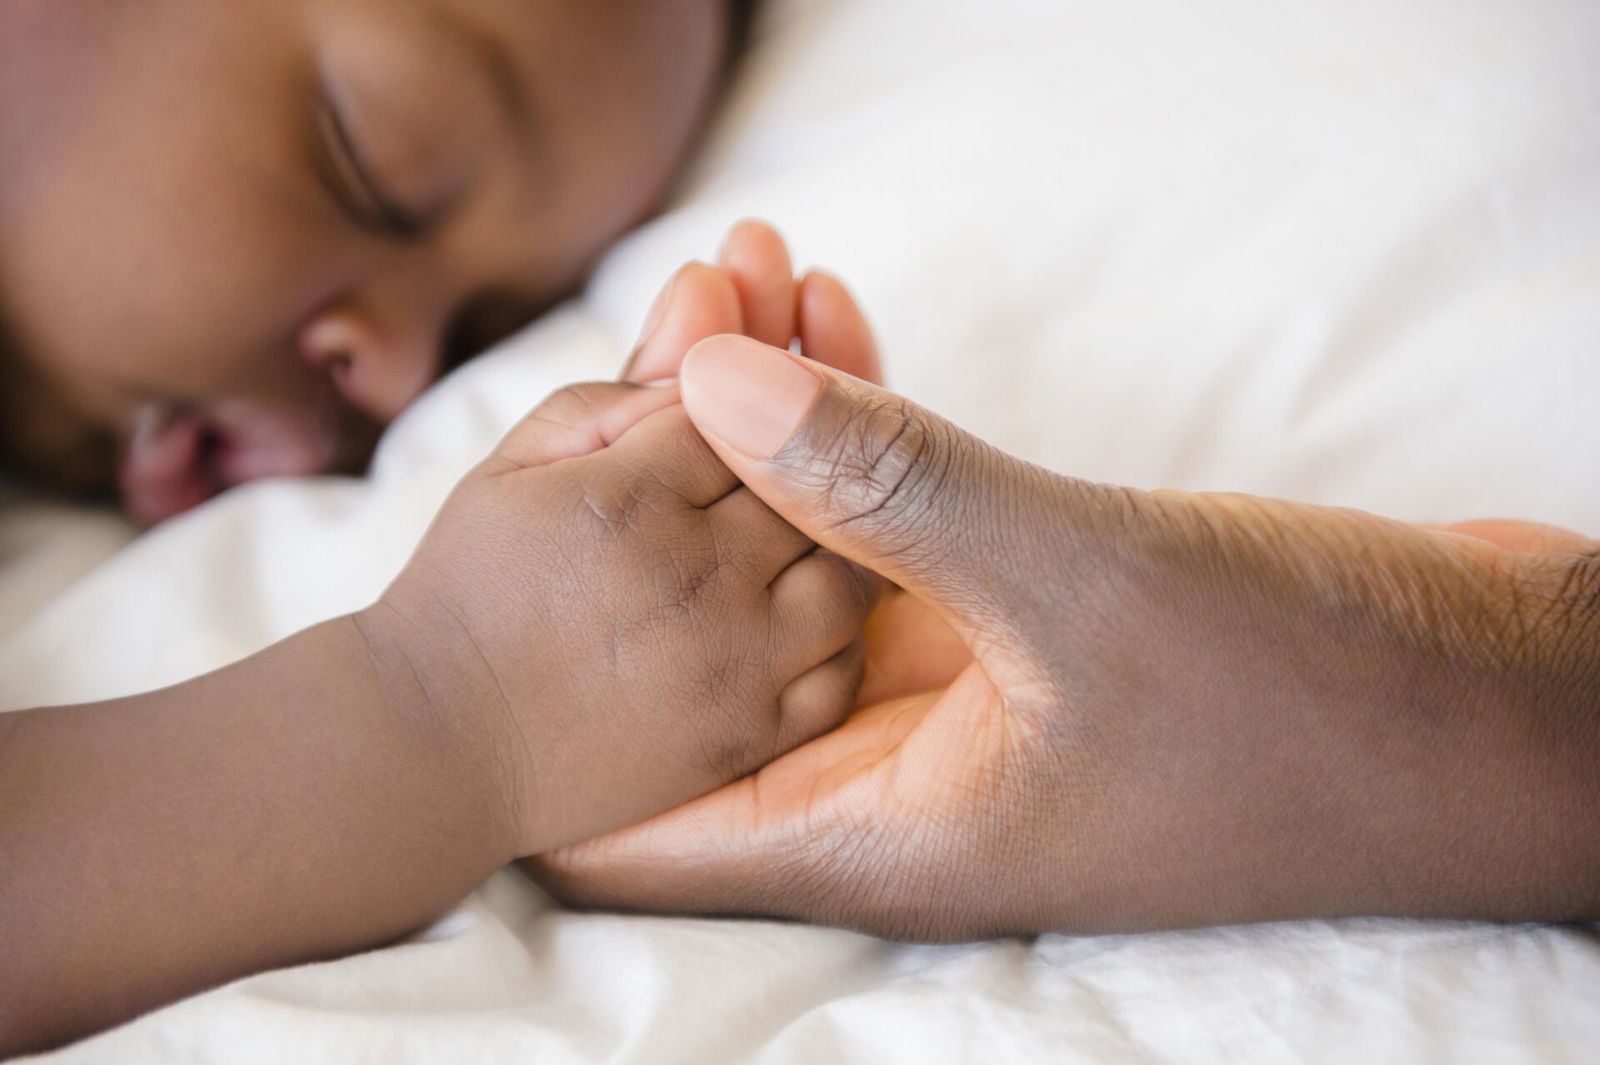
(378, 371)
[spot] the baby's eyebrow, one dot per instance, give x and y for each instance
(510, 88)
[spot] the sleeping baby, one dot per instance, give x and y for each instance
(237, 240)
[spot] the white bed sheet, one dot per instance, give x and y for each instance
(1345, 251)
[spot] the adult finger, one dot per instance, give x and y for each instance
(699, 301)
(834, 331)
(757, 261)
(885, 483)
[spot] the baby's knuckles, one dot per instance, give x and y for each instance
(585, 616)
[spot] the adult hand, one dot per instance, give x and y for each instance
(752, 290)
(1162, 709)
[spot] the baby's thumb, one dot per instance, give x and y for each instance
(864, 472)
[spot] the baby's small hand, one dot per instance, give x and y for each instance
(602, 607)
(752, 291)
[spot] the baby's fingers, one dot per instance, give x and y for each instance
(817, 700)
(819, 608)
(578, 420)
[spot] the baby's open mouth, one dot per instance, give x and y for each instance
(178, 455)
(169, 464)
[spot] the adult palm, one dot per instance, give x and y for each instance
(1096, 709)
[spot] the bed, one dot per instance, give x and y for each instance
(1343, 251)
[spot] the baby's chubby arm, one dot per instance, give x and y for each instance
(601, 623)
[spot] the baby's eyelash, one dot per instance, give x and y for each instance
(350, 179)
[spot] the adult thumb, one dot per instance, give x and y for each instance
(874, 477)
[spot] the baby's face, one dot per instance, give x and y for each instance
(236, 238)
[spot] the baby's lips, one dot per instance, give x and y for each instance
(178, 456)
(255, 443)
(162, 471)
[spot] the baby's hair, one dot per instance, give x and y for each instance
(741, 15)
(66, 479)
(11, 464)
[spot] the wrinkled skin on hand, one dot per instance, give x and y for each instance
(1098, 709)
(625, 623)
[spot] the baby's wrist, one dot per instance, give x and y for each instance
(424, 680)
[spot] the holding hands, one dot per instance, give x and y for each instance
(1093, 708)
(1077, 707)
(621, 623)
(602, 623)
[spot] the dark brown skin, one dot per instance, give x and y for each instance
(601, 624)
(284, 218)
(1095, 709)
